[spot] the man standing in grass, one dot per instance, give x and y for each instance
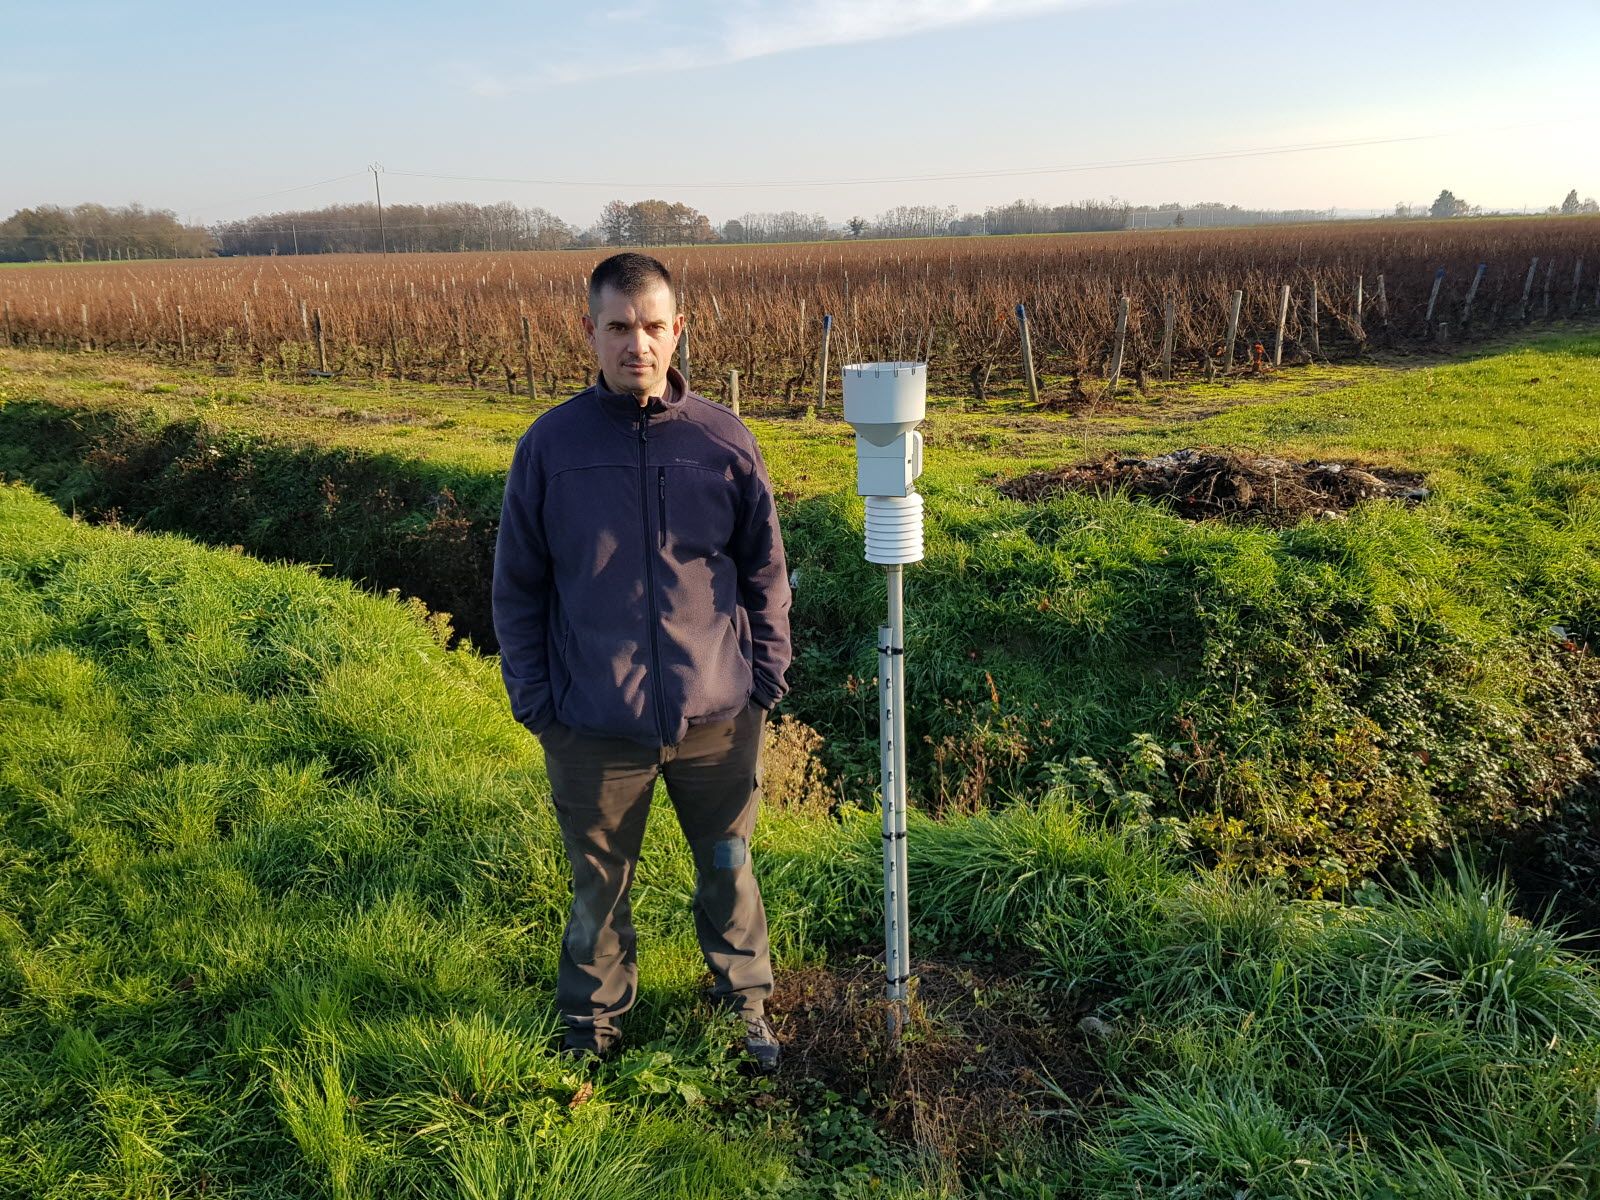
(641, 602)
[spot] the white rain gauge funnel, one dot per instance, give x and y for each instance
(886, 402)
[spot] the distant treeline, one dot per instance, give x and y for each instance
(407, 229)
(93, 231)
(1019, 216)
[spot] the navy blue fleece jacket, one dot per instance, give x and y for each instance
(639, 576)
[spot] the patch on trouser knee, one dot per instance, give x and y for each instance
(730, 853)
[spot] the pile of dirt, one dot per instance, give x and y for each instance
(1227, 484)
(989, 1059)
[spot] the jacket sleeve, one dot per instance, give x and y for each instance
(763, 584)
(521, 592)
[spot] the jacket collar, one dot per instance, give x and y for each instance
(661, 408)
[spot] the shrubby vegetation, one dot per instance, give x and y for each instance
(283, 896)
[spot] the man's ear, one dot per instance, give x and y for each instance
(588, 328)
(679, 320)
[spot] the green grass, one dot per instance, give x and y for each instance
(282, 894)
(1312, 703)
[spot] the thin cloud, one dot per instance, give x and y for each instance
(762, 28)
(785, 27)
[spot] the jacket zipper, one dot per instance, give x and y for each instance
(661, 492)
(650, 576)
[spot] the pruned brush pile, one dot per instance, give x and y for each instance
(1227, 484)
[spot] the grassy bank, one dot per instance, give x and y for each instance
(1310, 702)
(283, 895)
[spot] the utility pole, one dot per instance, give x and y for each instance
(383, 243)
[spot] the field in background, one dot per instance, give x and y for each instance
(759, 309)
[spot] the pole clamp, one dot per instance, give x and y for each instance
(894, 837)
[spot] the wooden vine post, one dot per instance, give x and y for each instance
(1169, 311)
(527, 357)
(1283, 320)
(1233, 330)
(1472, 294)
(1027, 354)
(1433, 297)
(1316, 321)
(822, 364)
(1120, 344)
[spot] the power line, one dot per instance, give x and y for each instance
(299, 187)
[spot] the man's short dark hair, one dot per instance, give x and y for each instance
(630, 274)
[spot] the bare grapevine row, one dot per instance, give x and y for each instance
(759, 310)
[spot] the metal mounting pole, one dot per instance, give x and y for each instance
(891, 742)
(886, 402)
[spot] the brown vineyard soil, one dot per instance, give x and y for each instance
(1226, 484)
(989, 1061)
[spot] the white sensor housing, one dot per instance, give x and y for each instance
(886, 402)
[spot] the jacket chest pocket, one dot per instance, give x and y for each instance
(696, 508)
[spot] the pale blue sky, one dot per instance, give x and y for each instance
(204, 108)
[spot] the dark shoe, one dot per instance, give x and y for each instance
(588, 1053)
(762, 1045)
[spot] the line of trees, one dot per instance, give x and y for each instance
(652, 223)
(1019, 216)
(406, 229)
(94, 232)
(788, 226)
(1572, 206)
(1448, 204)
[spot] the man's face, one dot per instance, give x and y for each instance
(634, 337)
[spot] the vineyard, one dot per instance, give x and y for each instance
(511, 321)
